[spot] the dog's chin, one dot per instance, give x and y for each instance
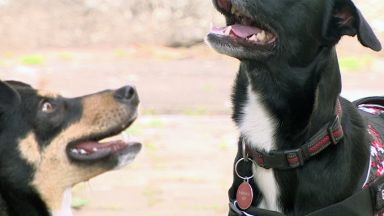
(238, 47)
(244, 37)
(113, 145)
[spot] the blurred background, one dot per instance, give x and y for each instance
(78, 47)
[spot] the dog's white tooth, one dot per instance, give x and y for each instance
(131, 137)
(74, 151)
(94, 149)
(261, 36)
(233, 9)
(125, 136)
(228, 30)
(253, 38)
(115, 148)
(269, 36)
(82, 151)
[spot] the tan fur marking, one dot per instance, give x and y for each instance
(29, 149)
(48, 94)
(56, 173)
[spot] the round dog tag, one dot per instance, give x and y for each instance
(244, 195)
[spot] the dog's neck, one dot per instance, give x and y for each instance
(66, 204)
(64, 211)
(3, 207)
(299, 99)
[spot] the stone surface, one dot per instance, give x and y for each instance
(26, 24)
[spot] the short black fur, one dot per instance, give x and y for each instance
(15, 123)
(48, 143)
(298, 83)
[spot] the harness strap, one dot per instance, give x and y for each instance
(330, 133)
(359, 204)
(369, 201)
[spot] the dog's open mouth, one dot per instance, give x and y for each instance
(103, 145)
(242, 29)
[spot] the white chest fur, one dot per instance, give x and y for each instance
(257, 127)
(66, 205)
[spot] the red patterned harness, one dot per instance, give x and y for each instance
(376, 168)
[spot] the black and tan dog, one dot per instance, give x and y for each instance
(309, 145)
(49, 143)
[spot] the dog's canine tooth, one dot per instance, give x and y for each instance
(270, 35)
(130, 136)
(82, 151)
(253, 38)
(228, 30)
(233, 9)
(261, 36)
(125, 136)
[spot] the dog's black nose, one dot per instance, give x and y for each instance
(127, 94)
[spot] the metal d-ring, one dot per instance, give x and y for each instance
(237, 173)
(245, 155)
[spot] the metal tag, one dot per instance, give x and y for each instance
(244, 195)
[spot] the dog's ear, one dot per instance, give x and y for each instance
(17, 84)
(9, 98)
(346, 19)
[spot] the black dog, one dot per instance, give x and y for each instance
(49, 143)
(287, 104)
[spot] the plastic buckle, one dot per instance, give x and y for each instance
(330, 130)
(275, 159)
(299, 153)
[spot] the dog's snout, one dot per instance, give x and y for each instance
(126, 94)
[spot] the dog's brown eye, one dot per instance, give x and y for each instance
(47, 107)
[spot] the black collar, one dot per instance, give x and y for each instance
(330, 133)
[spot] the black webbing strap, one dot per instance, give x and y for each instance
(369, 100)
(359, 204)
(367, 202)
(234, 210)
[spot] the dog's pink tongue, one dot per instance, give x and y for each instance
(241, 31)
(90, 146)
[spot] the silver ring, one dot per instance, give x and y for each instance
(245, 155)
(237, 163)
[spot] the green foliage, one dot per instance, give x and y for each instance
(32, 60)
(119, 53)
(354, 62)
(77, 203)
(156, 122)
(199, 111)
(65, 55)
(135, 129)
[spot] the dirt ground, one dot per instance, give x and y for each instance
(189, 140)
